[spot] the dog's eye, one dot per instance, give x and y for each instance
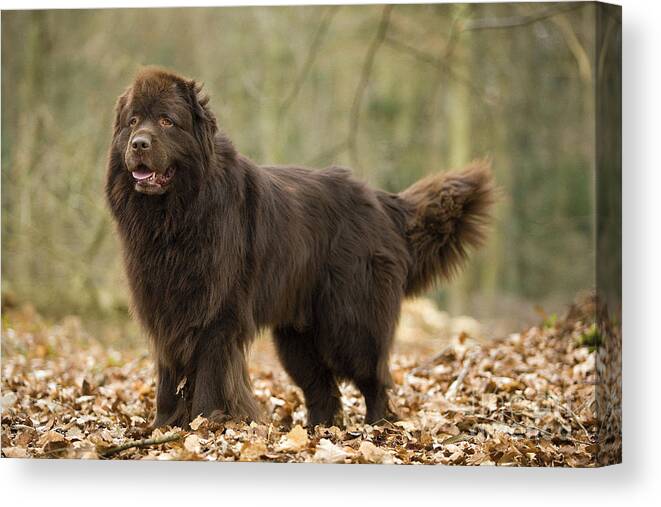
(133, 121)
(166, 122)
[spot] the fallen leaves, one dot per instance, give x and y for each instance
(197, 423)
(15, 452)
(294, 441)
(525, 400)
(328, 452)
(192, 444)
(370, 453)
(253, 451)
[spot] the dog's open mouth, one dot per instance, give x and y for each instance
(151, 182)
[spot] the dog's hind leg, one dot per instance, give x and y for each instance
(360, 353)
(304, 365)
(373, 388)
(362, 357)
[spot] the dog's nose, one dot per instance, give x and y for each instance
(141, 142)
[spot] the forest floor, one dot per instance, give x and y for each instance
(523, 400)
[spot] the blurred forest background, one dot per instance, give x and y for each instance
(394, 92)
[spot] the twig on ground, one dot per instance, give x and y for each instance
(530, 427)
(571, 413)
(454, 387)
(146, 442)
(430, 362)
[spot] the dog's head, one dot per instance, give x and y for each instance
(163, 132)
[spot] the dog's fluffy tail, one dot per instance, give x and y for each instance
(447, 215)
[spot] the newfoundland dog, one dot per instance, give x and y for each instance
(217, 247)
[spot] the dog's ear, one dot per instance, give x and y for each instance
(204, 121)
(119, 109)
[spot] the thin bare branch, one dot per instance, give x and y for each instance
(438, 63)
(368, 64)
(575, 46)
(329, 153)
(319, 35)
(516, 21)
(603, 49)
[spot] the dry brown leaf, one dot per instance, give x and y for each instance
(294, 441)
(75, 433)
(192, 444)
(372, 454)
(49, 437)
(26, 437)
(252, 451)
(8, 401)
(328, 452)
(198, 422)
(15, 452)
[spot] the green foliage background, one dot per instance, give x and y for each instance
(395, 94)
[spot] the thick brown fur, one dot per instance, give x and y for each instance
(228, 247)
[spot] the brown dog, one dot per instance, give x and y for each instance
(217, 247)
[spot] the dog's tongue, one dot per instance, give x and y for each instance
(142, 174)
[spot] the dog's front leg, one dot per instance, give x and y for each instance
(222, 384)
(170, 407)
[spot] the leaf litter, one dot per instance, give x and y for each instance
(524, 400)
